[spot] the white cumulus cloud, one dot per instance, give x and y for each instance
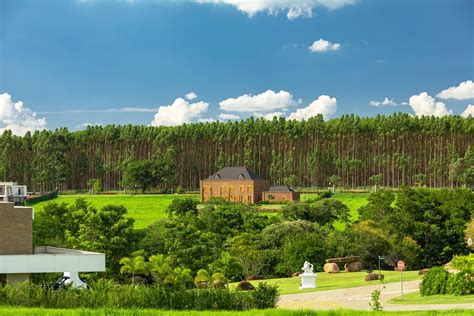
(191, 96)
(324, 105)
(322, 46)
(228, 116)
(465, 90)
(179, 112)
(424, 104)
(385, 101)
(18, 118)
(293, 8)
(263, 102)
(468, 111)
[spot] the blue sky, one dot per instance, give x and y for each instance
(117, 62)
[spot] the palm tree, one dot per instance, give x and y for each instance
(134, 266)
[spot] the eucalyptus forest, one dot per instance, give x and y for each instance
(400, 149)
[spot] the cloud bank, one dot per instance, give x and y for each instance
(263, 102)
(324, 105)
(179, 112)
(17, 117)
(424, 104)
(465, 90)
(293, 8)
(385, 101)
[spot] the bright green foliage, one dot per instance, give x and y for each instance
(334, 181)
(144, 174)
(14, 311)
(145, 209)
(459, 284)
(82, 226)
(323, 212)
(434, 282)
(135, 265)
(113, 296)
(95, 186)
(376, 180)
(420, 179)
(463, 263)
(228, 266)
(182, 206)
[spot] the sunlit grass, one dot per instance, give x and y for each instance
(334, 281)
(13, 311)
(416, 298)
(144, 208)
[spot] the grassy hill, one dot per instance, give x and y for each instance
(148, 208)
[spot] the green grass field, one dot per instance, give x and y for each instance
(416, 298)
(148, 208)
(13, 311)
(145, 209)
(334, 281)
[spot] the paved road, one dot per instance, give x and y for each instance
(359, 298)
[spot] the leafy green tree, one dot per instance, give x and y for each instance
(334, 181)
(376, 180)
(135, 265)
(182, 206)
(420, 179)
(229, 266)
(140, 174)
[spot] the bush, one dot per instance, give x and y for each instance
(106, 294)
(265, 296)
(325, 194)
(463, 263)
(459, 284)
(180, 207)
(434, 282)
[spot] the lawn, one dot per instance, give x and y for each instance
(334, 281)
(144, 208)
(416, 298)
(13, 311)
(148, 208)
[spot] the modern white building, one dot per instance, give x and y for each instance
(18, 258)
(12, 192)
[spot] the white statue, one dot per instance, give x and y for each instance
(308, 278)
(307, 268)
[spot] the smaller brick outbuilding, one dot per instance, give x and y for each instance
(281, 193)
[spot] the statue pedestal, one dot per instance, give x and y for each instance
(308, 281)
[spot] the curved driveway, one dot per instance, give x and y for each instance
(359, 298)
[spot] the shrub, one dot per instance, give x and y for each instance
(105, 294)
(180, 207)
(434, 282)
(463, 263)
(459, 284)
(325, 194)
(265, 296)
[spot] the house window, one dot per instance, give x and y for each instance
(241, 176)
(240, 198)
(249, 188)
(210, 189)
(249, 198)
(241, 189)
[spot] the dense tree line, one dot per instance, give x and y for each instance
(402, 149)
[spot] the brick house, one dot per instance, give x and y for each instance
(18, 257)
(235, 184)
(281, 193)
(239, 184)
